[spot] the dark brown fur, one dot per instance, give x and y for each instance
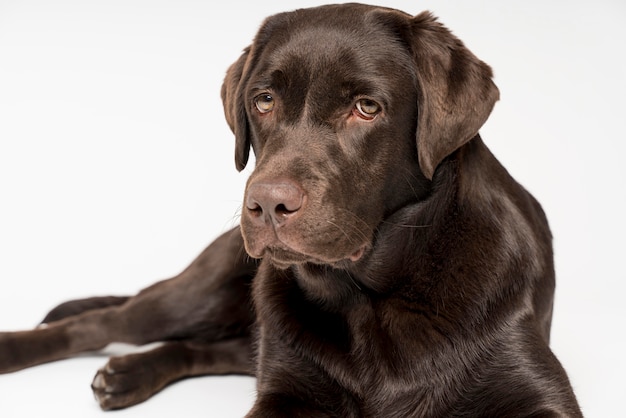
(403, 272)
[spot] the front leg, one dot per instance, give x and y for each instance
(22, 349)
(290, 385)
(131, 379)
(59, 340)
(209, 301)
(282, 406)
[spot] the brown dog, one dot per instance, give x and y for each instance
(403, 272)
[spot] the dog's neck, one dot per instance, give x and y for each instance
(331, 287)
(401, 240)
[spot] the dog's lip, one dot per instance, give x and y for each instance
(284, 257)
(283, 253)
(358, 254)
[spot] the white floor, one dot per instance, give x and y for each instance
(62, 389)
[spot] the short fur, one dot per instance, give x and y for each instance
(396, 269)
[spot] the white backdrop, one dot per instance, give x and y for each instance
(116, 167)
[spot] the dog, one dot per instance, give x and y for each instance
(386, 264)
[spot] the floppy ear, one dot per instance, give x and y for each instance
(456, 93)
(234, 109)
(234, 86)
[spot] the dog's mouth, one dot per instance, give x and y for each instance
(288, 226)
(358, 254)
(283, 257)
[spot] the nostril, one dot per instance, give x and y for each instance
(255, 210)
(283, 211)
(254, 207)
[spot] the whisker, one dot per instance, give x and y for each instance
(235, 219)
(408, 176)
(354, 228)
(343, 231)
(405, 225)
(353, 280)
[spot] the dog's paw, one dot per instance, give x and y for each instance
(124, 382)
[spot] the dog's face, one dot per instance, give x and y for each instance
(325, 122)
(339, 112)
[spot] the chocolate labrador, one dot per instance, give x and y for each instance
(386, 264)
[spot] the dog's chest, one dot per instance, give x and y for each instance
(356, 339)
(374, 350)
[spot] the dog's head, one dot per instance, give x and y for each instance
(349, 110)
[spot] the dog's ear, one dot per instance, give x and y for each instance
(235, 83)
(234, 109)
(456, 92)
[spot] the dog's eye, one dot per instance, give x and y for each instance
(367, 109)
(264, 102)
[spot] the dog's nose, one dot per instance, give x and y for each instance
(277, 203)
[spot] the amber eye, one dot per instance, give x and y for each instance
(264, 102)
(367, 109)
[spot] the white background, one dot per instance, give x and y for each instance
(116, 167)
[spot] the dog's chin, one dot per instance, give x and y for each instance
(284, 258)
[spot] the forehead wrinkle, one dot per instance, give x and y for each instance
(321, 46)
(364, 60)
